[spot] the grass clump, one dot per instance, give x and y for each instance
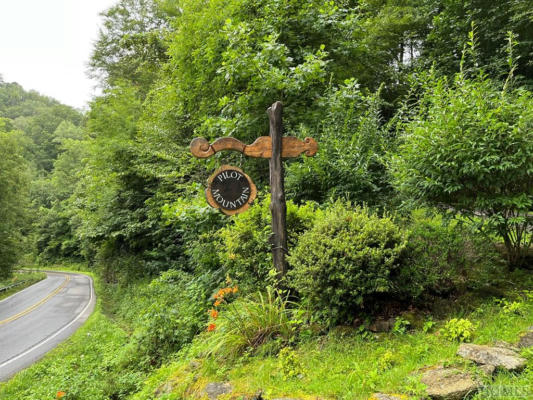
(248, 325)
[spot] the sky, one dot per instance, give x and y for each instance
(45, 45)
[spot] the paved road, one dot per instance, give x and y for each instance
(38, 318)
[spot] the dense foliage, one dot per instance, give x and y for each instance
(345, 260)
(413, 104)
(14, 197)
(469, 150)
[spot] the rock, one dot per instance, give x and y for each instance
(449, 383)
(165, 388)
(215, 389)
(505, 345)
(497, 356)
(526, 340)
(384, 396)
(382, 325)
(488, 369)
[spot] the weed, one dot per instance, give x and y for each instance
(289, 364)
(461, 330)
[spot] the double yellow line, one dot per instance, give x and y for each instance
(41, 302)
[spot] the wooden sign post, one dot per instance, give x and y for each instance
(275, 147)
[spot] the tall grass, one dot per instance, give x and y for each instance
(247, 324)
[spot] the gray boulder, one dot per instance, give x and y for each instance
(449, 383)
(215, 389)
(499, 357)
(526, 340)
(382, 325)
(487, 369)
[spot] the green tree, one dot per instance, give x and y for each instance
(451, 21)
(130, 46)
(468, 149)
(55, 227)
(14, 180)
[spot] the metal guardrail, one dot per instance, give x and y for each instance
(6, 288)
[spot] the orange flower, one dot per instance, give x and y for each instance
(235, 289)
(211, 327)
(213, 313)
(60, 394)
(217, 303)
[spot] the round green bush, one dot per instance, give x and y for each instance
(347, 257)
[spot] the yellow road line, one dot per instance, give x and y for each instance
(41, 302)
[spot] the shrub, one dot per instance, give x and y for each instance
(386, 361)
(469, 149)
(401, 326)
(289, 364)
(347, 257)
(176, 313)
(352, 145)
(461, 330)
(196, 223)
(244, 245)
(443, 256)
(512, 307)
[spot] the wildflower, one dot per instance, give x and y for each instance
(211, 327)
(60, 394)
(213, 313)
(217, 303)
(235, 289)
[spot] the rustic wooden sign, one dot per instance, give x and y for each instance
(230, 190)
(261, 148)
(274, 147)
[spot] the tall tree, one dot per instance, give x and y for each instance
(14, 197)
(130, 46)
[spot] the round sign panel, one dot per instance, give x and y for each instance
(230, 190)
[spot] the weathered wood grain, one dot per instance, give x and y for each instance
(278, 207)
(261, 148)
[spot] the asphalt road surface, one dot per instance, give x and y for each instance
(38, 318)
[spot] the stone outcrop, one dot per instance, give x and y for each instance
(215, 389)
(499, 357)
(449, 383)
(488, 369)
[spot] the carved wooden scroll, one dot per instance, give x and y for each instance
(261, 148)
